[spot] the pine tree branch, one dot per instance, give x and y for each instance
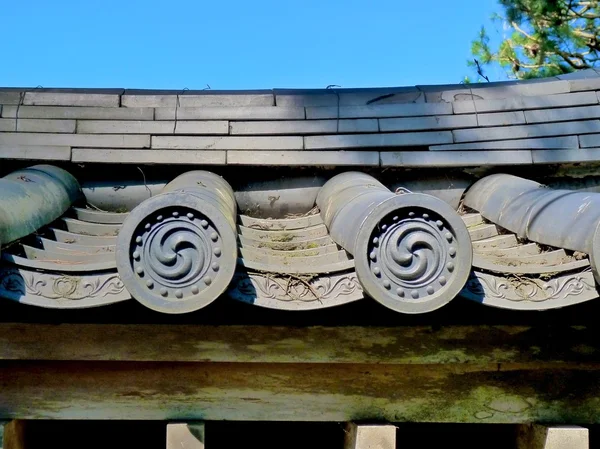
(523, 32)
(569, 59)
(582, 33)
(550, 37)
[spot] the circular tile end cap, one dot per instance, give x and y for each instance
(166, 254)
(594, 254)
(413, 253)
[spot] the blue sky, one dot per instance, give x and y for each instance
(237, 44)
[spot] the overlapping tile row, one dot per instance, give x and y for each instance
(543, 121)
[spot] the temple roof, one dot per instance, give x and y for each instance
(553, 120)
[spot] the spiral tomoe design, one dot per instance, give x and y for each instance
(412, 253)
(412, 257)
(175, 253)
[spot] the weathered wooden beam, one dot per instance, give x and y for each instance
(369, 436)
(536, 436)
(285, 344)
(511, 393)
(12, 435)
(488, 374)
(185, 436)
